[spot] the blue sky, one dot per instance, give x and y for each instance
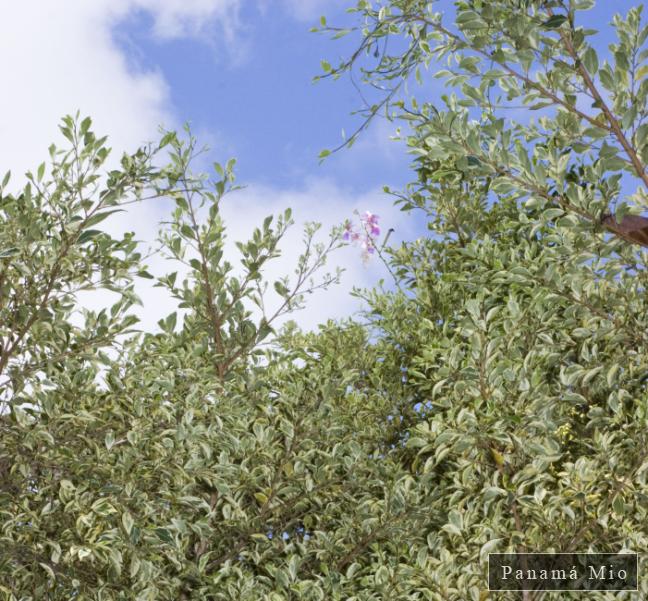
(258, 99)
(240, 71)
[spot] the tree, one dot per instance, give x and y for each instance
(520, 323)
(164, 465)
(188, 463)
(494, 400)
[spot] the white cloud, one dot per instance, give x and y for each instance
(180, 18)
(57, 61)
(311, 10)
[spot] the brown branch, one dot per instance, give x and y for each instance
(614, 127)
(214, 318)
(527, 80)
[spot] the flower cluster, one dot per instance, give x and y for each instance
(370, 229)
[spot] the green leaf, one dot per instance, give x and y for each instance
(382, 575)
(554, 21)
(8, 252)
(127, 522)
(590, 60)
(168, 325)
(281, 289)
(611, 374)
(187, 231)
(67, 133)
(489, 547)
(167, 139)
(99, 217)
(135, 565)
(87, 235)
(85, 125)
(164, 535)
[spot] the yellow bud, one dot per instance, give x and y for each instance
(497, 457)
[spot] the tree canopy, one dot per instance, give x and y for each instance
(492, 398)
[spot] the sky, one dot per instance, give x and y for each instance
(240, 72)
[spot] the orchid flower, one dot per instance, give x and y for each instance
(370, 221)
(370, 229)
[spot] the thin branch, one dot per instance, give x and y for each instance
(614, 125)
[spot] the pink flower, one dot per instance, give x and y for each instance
(370, 229)
(370, 221)
(370, 218)
(367, 246)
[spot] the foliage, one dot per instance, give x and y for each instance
(495, 400)
(157, 470)
(520, 322)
